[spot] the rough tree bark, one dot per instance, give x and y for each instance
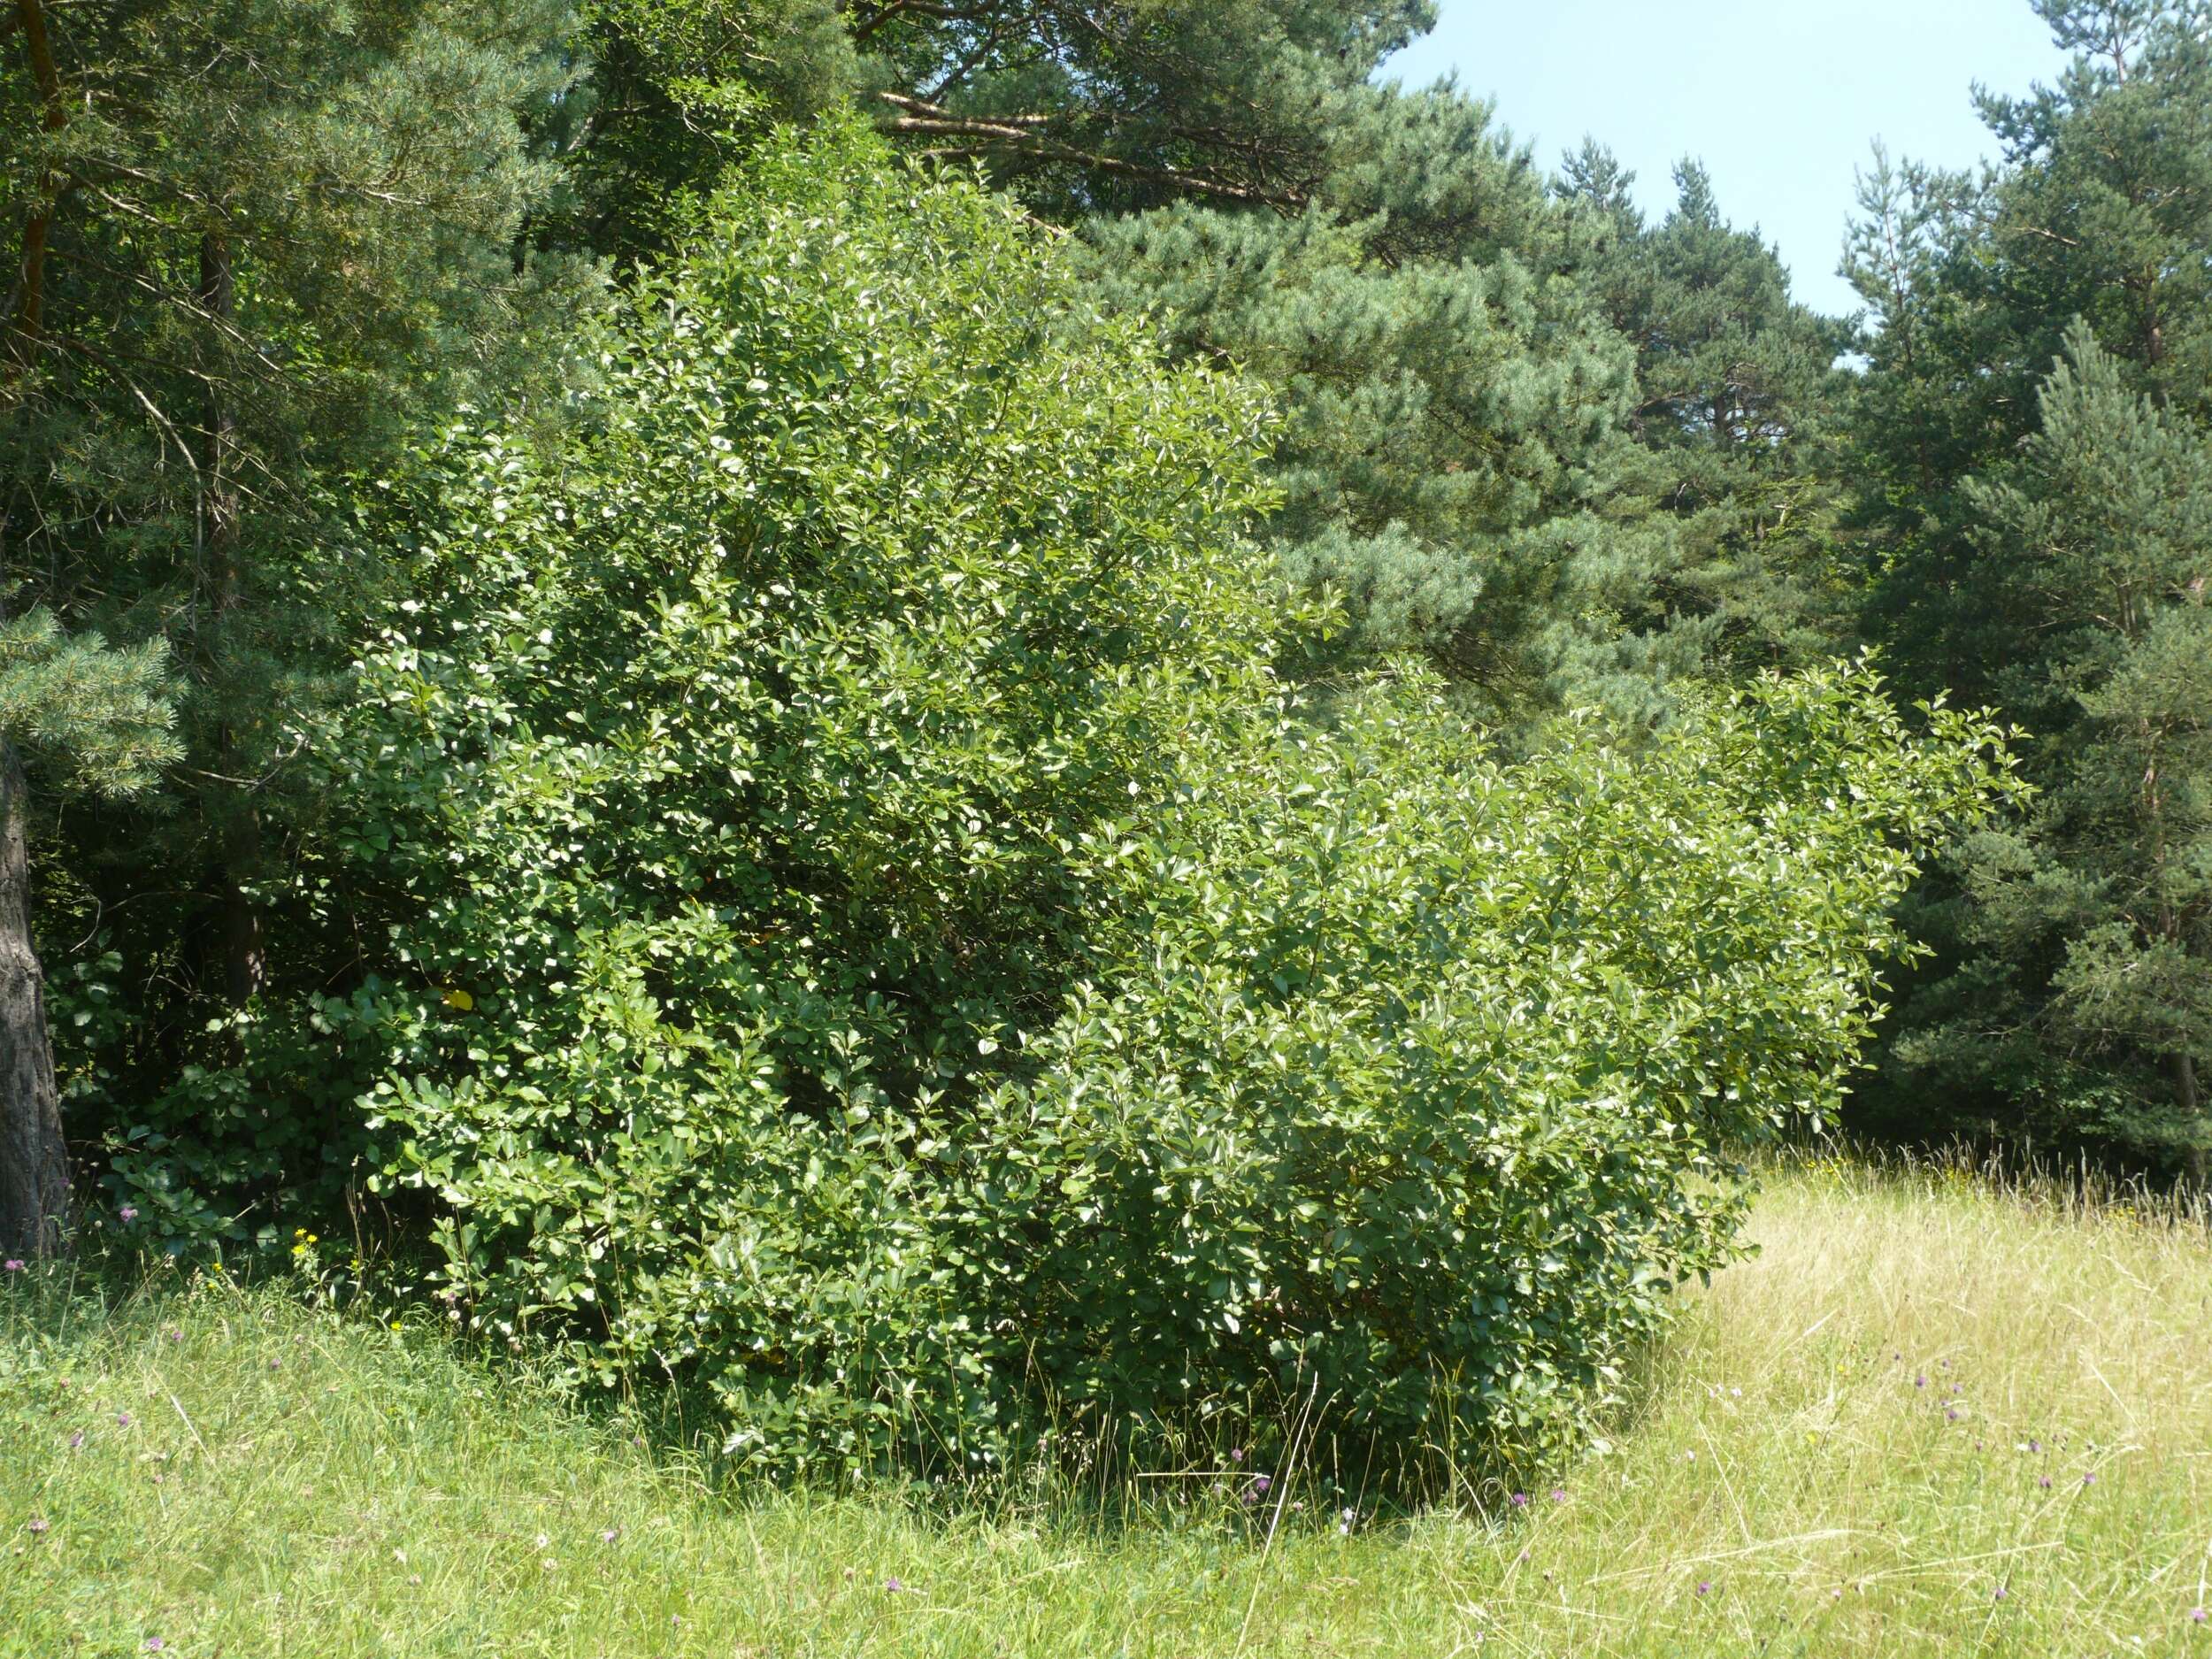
(34, 1157)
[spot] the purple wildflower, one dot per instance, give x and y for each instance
(129, 1212)
(1704, 1587)
(1559, 1494)
(2035, 1446)
(122, 1419)
(609, 1535)
(1950, 1416)
(1259, 1484)
(1920, 1382)
(893, 1585)
(13, 1264)
(2089, 1479)
(1520, 1500)
(2197, 1615)
(1236, 1454)
(35, 1524)
(1999, 1595)
(154, 1644)
(2045, 1483)
(76, 1440)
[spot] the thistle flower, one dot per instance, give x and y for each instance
(13, 1264)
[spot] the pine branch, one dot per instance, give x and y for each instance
(866, 27)
(1027, 135)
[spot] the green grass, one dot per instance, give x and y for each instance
(291, 1483)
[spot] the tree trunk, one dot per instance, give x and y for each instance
(33, 1158)
(245, 954)
(28, 307)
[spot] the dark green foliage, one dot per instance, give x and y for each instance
(1098, 108)
(1734, 386)
(2032, 433)
(2086, 983)
(672, 93)
(275, 236)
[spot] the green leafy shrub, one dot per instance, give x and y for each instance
(863, 931)
(1413, 1082)
(724, 790)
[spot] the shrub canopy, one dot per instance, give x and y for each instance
(866, 931)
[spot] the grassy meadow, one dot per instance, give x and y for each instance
(1931, 1416)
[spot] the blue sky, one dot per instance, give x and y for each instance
(1780, 98)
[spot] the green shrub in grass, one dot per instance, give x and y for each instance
(864, 932)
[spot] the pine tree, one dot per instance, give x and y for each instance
(256, 242)
(1458, 458)
(98, 721)
(1454, 431)
(2089, 925)
(2036, 497)
(1735, 389)
(1091, 107)
(1454, 408)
